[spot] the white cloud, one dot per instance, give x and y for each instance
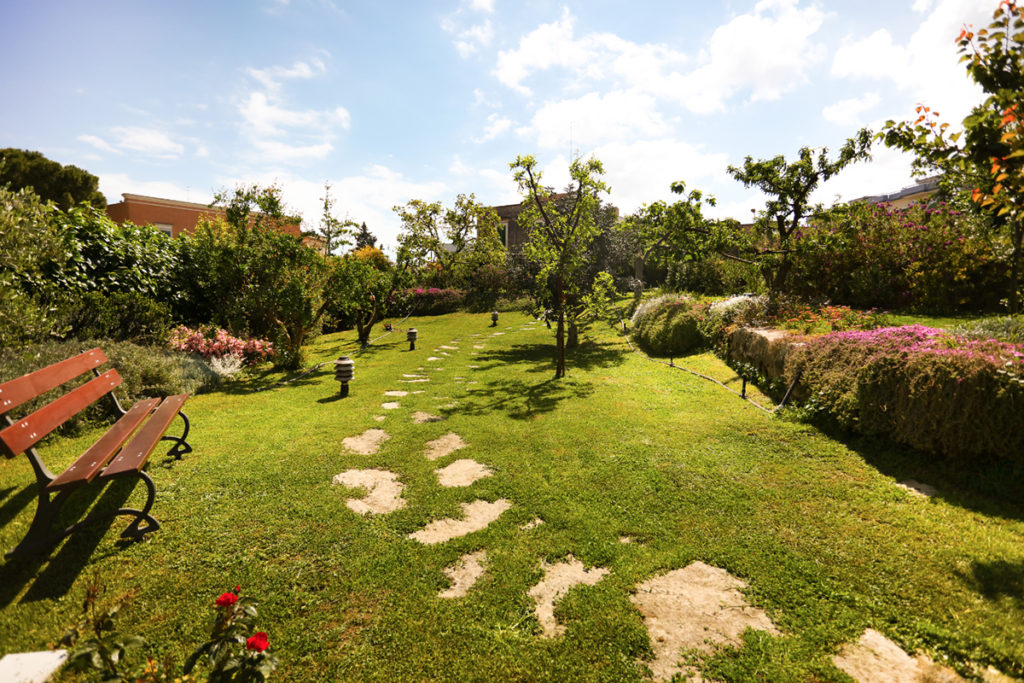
(482, 5)
(468, 39)
(547, 46)
(888, 171)
(496, 125)
(927, 67)
(272, 77)
(593, 119)
(847, 113)
(113, 185)
(99, 143)
(147, 141)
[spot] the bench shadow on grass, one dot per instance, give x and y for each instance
(53, 575)
(524, 399)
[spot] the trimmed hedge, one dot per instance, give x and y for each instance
(434, 301)
(938, 392)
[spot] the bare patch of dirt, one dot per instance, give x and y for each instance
(918, 489)
(438, 448)
(537, 521)
(876, 658)
(366, 443)
(391, 405)
(463, 574)
(475, 516)
(419, 417)
(694, 608)
(462, 473)
(396, 393)
(558, 579)
(383, 491)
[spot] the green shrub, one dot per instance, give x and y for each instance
(1008, 329)
(147, 371)
(714, 275)
(924, 387)
(669, 325)
(120, 316)
(434, 301)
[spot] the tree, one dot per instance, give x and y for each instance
(449, 239)
(789, 187)
(664, 227)
(559, 235)
(335, 232)
(65, 186)
(365, 238)
(987, 156)
(364, 292)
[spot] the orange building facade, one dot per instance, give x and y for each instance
(170, 215)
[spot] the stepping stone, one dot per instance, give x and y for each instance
(420, 417)
(462, 473)
(450, 348)
(438, 448)
(876, 658)
(366, 443)
(497, 334)
(391, 405)
(625, 540)
(383, 491)
(418, 392)
(459, 379)
(463, 574)
(694, 608)
(411, 376)
(31, 667)
(476, 516)
(535, 522)
(558, 579)
(472, 367)
(473, 382)
(379, 418)
(414, 381)
(432, 358)
(445, 353)
(918, 489)
(449, 406)
(396, 393)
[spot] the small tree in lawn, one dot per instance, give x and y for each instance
(672, 229)
(789, 187)
(335, 232)
(559, 235)
(986, 158)
(364, 291)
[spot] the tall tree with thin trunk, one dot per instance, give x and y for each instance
(560, 232)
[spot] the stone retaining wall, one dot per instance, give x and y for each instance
(765, 348)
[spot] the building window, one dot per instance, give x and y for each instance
(165, 227)
(503, 233)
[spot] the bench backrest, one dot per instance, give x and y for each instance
(25, 433)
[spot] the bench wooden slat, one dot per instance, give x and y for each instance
(135, 453)
(28, 431)
(27, 387)
(92, 461)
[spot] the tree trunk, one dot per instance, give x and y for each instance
(638, 279)
(573, 339)
(560, 341)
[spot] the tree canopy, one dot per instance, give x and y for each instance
(65, 186)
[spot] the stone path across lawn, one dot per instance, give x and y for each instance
(876, 659)
(462, 473)
(475, 516)
(383, 491)
(366, 443)
(438, 448)
(558, 579)
(464, 574)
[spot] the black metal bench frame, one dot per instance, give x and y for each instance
(112, 459)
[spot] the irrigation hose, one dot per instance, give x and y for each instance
(697, 374)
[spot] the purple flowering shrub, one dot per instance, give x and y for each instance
(873, 255)
(211, 342)
(938, 392)
(434, 301)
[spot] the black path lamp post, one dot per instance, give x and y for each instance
(344, 372)
(494, 318)
(411, 336)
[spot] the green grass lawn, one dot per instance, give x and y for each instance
(816, 526)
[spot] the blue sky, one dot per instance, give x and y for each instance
(390, 101)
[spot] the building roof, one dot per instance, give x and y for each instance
(923, 186)
(159, 201)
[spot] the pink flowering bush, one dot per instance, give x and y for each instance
(434, 301)
(938, 392)
(210, 342)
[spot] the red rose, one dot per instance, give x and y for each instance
(257, 642)
(227, 599)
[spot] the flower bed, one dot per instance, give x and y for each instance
(938, 392)
(211, 343)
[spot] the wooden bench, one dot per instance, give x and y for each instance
(121, 452)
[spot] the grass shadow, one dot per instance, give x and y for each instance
(521, 400)
(16, 503)
(996, 580)
(587, 356)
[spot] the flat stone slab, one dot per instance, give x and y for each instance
(438, 448)
(475, 516)
(383, 491)
(918, 489)
(419, 417)
(414, 381)
(411, 376)
(31, 667)
(368, 442)
(875, 658)
(379, 418)
(694, 608)
(396, 393)
(432, 358)
(462, 473)
(464, 573)
(391, 405)
(497, 334)
(558, 579)
(450, 348)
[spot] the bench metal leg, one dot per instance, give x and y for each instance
(180, 446)
(39, 537)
